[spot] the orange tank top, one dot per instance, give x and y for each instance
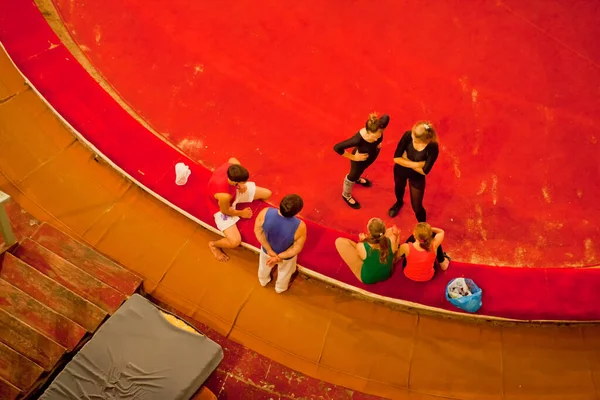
(419, 264)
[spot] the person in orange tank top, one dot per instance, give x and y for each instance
(422, 251)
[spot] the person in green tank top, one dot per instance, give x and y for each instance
(372, 258)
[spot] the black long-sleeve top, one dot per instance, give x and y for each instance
(429, 154)
(360, 145)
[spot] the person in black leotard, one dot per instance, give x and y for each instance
(366, 144)
(415, 155)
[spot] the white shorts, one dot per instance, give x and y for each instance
(227, 221)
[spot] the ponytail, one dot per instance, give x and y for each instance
(423, 234)
(377, 236)
(426, 244)
(384, 249)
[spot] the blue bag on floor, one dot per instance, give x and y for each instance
(470, 303)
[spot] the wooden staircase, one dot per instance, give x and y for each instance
(54, 293)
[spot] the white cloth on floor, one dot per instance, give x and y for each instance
(182, 173)
(458, 288)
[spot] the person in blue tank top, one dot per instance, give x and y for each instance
(282, 236)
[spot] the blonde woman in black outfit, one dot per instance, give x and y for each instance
(366, 144)
(415, 155)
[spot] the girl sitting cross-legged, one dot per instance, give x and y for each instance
(422, 252)
(372, 258)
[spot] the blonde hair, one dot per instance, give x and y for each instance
(430, 132)
(377, 236)
(423, 235)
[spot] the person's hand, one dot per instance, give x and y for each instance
(362, 236)
(380, 145)
(360, 156)
(241, 187)
(272, 261)
(395, 230)
(271, 253)
(246, 213)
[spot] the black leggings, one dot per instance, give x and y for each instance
(357, 168)
(417, 190)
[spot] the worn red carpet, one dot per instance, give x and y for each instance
(276, 85)
(523, 293)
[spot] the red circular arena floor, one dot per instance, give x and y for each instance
(512, 88)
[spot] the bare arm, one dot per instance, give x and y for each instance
(393, 234)
(439, 237)
(225, 205)
(362, 252)
(403, 250)
(260, 233)
(299, 240)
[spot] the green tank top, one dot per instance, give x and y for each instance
(373, 270)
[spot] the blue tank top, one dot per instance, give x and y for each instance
(280, 231)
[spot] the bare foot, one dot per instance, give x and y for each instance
(217, 252)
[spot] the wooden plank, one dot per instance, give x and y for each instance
(29, 342)
(23, 223)
(70, 276)
(33, 313)
(87, 259)
(51, 293)
(18, 370)
(8, 391)
(6, 229)
(11, 81)
(204, 394)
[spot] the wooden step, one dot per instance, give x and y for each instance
(8, 391)
(33, 313)
(87, 259)
(29, 342)
(17, 369)
(3, 246)
(51, 293)
(70, 276)
(23, 223)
